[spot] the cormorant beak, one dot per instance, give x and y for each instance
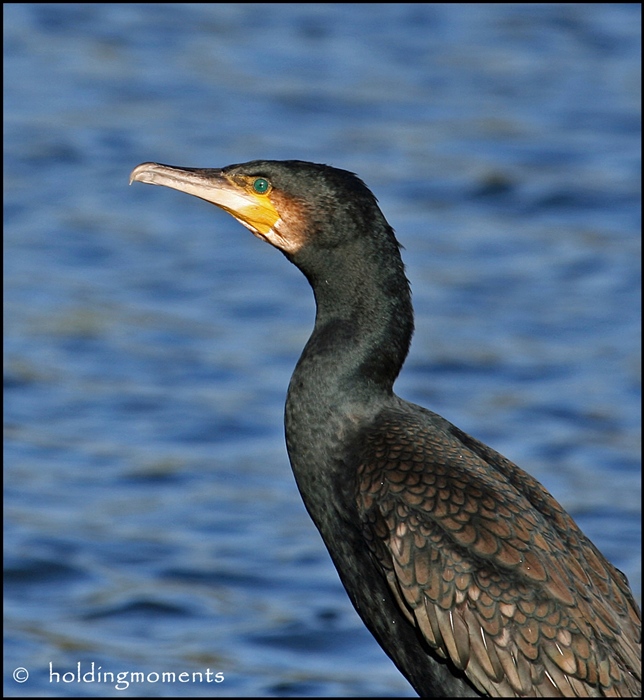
(255, 211)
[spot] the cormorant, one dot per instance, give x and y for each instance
(470, 575)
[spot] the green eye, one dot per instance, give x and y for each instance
(261, 185)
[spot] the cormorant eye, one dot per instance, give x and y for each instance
(261, 185)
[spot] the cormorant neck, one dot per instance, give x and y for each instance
(364, 319)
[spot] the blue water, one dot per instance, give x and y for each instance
(152, 523)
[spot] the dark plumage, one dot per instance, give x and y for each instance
(466, 570)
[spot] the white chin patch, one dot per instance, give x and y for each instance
(275, 238)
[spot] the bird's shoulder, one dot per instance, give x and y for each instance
(488, 565)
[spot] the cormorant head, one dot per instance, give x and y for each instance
(290, 204)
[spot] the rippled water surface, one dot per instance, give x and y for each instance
(152, 523)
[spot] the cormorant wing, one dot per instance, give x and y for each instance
(489, 567)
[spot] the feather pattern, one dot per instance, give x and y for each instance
(494, 573)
